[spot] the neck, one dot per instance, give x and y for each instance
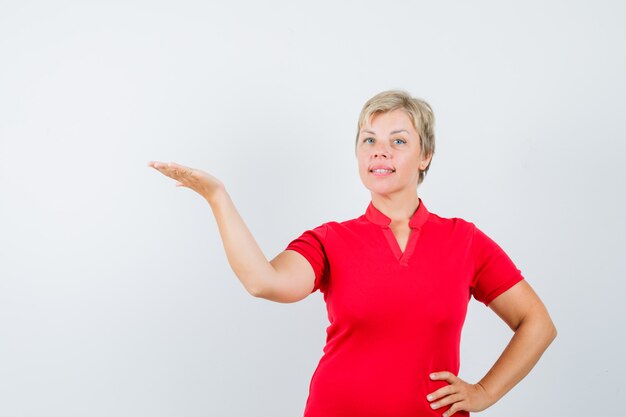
(398, 208)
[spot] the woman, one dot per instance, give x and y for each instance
(396, 281)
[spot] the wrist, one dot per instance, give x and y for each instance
(216, 196)
(491, 399)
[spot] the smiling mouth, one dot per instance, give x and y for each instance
(382, 171)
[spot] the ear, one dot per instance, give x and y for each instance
(425, 162)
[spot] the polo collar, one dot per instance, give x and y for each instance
(415, 222)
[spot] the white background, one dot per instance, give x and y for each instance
(116, 298)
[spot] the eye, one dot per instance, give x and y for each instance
(366, 139)
(401, 140)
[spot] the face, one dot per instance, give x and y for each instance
(389, 141)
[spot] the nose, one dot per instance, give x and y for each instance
(380, 152)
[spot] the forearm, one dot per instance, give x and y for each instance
(531, 339)
(244, 254)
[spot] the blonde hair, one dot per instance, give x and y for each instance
(418, 110)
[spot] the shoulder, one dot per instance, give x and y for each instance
(450, 221)
(331, 226)
(452, 225)
(353, 225)
(342, 229)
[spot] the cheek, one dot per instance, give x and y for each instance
(362, 165)
(409, 163)
(363, 172)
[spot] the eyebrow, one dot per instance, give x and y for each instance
(392, 133)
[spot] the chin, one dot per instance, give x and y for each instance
(381, 189)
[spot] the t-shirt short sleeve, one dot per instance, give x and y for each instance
(310, 244)
(494, 271)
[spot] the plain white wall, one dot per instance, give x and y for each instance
(116, 298)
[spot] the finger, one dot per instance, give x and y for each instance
(180, 170)
(158, 165)
(167, 171)
(450, 399)
(444, 375)
(441, 392)
(457, 406)
(174, 171)
(179, 167)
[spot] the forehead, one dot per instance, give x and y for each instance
(390, 121)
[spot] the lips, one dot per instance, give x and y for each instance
(385, 167)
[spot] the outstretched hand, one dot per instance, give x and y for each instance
(201, 182)
(462, 395)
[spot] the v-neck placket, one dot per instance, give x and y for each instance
(415, 223)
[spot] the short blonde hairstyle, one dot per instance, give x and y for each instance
(418, 110)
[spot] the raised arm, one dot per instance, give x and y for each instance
(287, 278)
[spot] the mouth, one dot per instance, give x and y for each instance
(382, 172)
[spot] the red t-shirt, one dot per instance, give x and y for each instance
(395, 317)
